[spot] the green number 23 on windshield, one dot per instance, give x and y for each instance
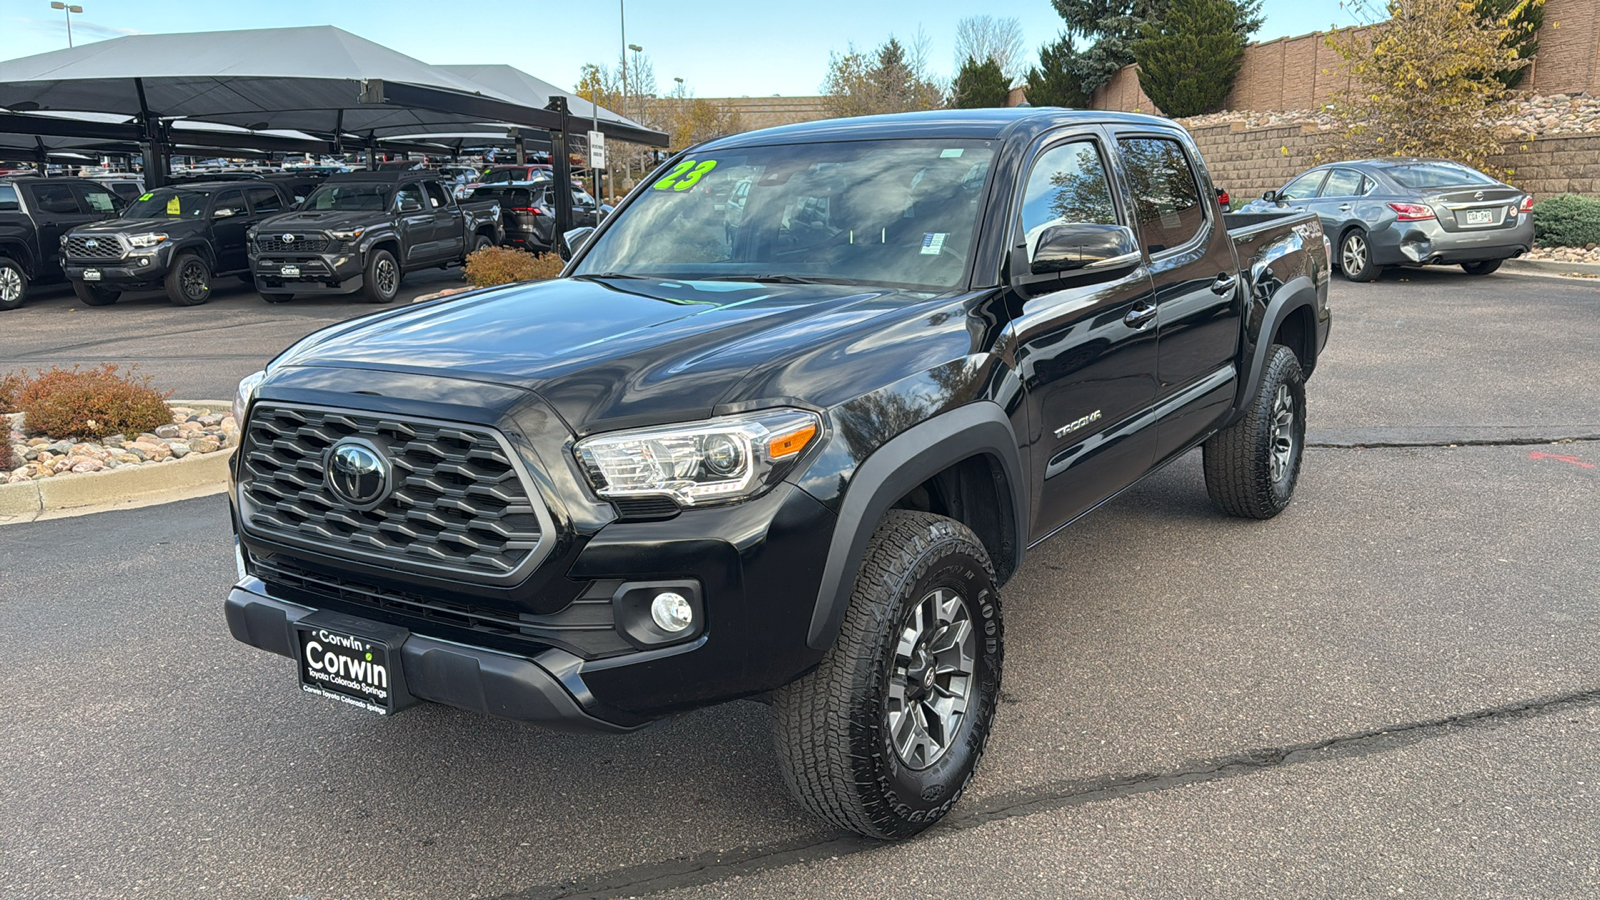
(685, 175)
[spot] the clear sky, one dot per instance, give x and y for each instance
(719, 48)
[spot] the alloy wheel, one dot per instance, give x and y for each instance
(193, 280)
(931, 679)
(10, 285)
(384, 271)
(1283, 437)
(1353, 257)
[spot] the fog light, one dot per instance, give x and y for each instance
(672, 612)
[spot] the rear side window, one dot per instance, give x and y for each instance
(1068, 185)
(1166, 199)
(265, 200)
(56, 198)
(1304, 187)
(1342, 183)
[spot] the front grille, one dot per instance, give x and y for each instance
(301, 243)
(106, 246)
(586, 626)
(457, 502)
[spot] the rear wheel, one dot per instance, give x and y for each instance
(13, 284)
(1252, 466)
(1355, 257)
(189, 280)
(883, 737)
(382, 283)
(94, 295)
(1482, 267)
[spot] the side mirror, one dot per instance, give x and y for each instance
(573, 241)
(1270, 196)
(407, 206)
(223, 214)
(1084, 246)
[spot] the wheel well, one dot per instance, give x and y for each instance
(389, 244)
(18, 253)
(1295, 332)
(973, 492)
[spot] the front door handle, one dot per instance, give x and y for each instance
(1344, 208)
(1141, 315)
(1224, 284)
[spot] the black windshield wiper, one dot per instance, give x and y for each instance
(618, 275)
(778, 279)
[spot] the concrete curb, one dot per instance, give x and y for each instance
(126, 488)
(1548, 267)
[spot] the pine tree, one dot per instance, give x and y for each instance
(1056, 80)
(1113, 27)
(980, 85)
(1189, 58)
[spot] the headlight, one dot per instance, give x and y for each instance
(718, 460)
(350, 235)
(245, 393)
(149, 239)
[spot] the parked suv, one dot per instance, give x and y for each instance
(527, 212)
(793, 453)
(173, 238)
(35, 215)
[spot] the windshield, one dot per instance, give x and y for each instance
(355, 197)
(900, 212)
(1436, 175)
(169, 203)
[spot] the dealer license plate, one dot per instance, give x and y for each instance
(290, 271)
(1480, 217)
(347, 667)
(91, 274)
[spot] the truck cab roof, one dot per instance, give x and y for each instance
(980, 124)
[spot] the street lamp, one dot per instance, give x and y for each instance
(56, 4)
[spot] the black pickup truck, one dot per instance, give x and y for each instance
(362, 231)
(35, 213)
(788, 448)
(174, 238)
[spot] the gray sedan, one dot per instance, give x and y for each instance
(1410, 212)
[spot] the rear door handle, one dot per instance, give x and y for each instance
(1224, 284)
(1141, 315)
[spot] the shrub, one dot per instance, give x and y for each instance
(1567, 220)
(71, 403)
(502, 265)
(7, 461)
(1189, 58)
(10, 386)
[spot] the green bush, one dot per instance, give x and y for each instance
(1567, 220)
(503, 265)
(71, 403)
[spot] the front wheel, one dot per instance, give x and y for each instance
(1481, 267)
(382, 283)
(482, 242)
(94, 295)
(1355, 257)
(883, 737)
(189, 280)
(13, 284)
(1253, 465)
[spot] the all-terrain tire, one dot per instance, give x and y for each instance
(837, 736)
(481, 242)
(1355, 257)
(188, 282)
(1252, 466)
(382, 282)
(94, 295)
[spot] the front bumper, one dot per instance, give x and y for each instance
(319, 273)
(547, 690)
(128, 273)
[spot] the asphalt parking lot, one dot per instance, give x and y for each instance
(1391, 689)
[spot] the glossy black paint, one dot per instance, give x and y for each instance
(30, 233)
(1030, 398)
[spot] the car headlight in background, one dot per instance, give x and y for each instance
(715, 461)
(148, 239)
(245, 393)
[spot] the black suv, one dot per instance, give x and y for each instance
(35, 213)
(528, 215)
(176, 238)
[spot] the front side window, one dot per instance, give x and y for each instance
(265, 201)
(8, 197)
(169, 203)
(1165, 197)
(901, 212)
(231, 203)
(1068, 185)
(353, 197)
(408, 195)
(436, 196)
(98, 199)
(1304, 187)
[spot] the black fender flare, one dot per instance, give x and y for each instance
(1296, 293)
(900, 464)
(18, 252)
(200, 247)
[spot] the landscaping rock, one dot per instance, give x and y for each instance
(167, 431)
(179, 449)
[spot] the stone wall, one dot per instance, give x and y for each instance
(1247, 161)
(1303, 72)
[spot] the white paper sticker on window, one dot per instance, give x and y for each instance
(932, 242)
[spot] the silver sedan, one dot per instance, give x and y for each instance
(1410, 212)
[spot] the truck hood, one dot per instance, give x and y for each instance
(605, 353)
(171, 227)
(320, 220)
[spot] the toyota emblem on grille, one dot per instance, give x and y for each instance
(91, 243)
(357, 473)
(288, 239)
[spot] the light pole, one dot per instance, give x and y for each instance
(637, 49)
(56, 4)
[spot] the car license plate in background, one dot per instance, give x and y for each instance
(91, 274)
(347, 667)
(1479, 217)
(290, 271)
